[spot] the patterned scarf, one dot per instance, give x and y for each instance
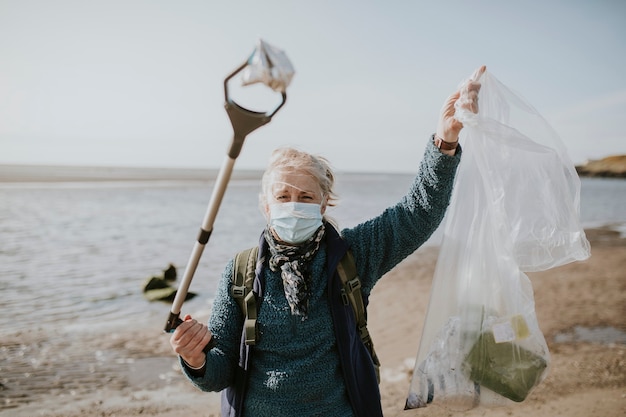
(293, 262)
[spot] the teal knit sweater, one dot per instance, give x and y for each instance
(295, 369)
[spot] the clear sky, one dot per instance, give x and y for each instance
(140, 82)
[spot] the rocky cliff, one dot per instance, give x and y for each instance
(611, 166)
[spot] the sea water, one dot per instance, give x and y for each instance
(74, 255)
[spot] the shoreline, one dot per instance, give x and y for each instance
(17, 173)
(58, 173)
(132, 371)
(47, 174)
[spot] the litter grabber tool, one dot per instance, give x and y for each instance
(270, 66)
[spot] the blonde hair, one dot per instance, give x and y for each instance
(293, 160)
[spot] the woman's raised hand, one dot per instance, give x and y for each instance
(448, 127)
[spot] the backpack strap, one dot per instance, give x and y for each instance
(241, 290)
(351, 293)
(243, 281)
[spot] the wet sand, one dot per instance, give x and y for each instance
(133, 372)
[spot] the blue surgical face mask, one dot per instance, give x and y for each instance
(295, 222)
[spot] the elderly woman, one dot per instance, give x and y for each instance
(306, 360)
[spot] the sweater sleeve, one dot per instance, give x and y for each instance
(225, 325)
(382, 242)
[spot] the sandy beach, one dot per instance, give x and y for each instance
(581, 308)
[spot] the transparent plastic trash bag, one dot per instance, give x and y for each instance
(268, 65)
(514, 209)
